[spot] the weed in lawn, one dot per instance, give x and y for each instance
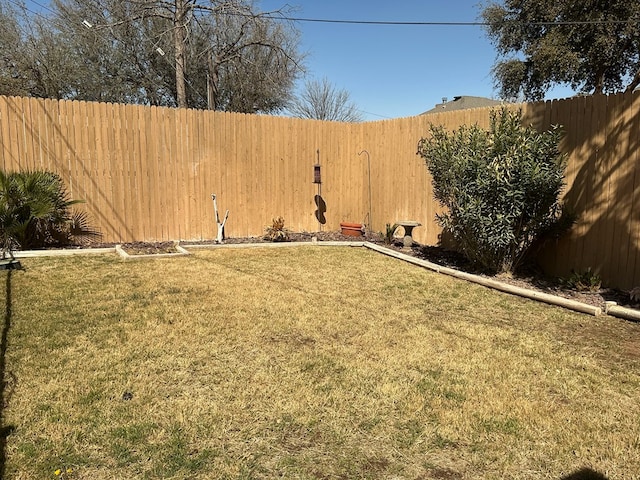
(65, 472)
(408, 432)
(440, 441)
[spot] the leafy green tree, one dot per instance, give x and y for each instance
(591, 45)
(501, 187)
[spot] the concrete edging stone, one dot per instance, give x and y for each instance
(63, 252)
(487, 282)
(181, 252)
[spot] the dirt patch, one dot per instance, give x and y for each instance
(145, 248)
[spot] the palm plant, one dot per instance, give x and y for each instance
(35, 211)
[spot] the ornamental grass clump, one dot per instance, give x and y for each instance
(276, 232)
(501, 187)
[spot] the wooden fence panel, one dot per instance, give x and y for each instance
(631, 276)
(147, 173)
(17, 134)
(118, 166)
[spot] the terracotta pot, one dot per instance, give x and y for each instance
(351, 229)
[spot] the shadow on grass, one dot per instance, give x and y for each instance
(5, 430)
(585, 474)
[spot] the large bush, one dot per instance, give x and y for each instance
(35, 212)
(501, 187)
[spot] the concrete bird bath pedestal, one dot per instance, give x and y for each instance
(408, 226)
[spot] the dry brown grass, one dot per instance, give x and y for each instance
(307, 363)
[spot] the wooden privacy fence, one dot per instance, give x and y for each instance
(603, 185)
(147, 173)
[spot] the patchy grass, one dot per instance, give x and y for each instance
(310, 363)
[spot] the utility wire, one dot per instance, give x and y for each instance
(44, 7)
(25, 8)
(113, 34)
(394, 23)
(374, 114)
(443, 24)
(370, 22)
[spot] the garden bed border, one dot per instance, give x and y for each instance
(611, 308)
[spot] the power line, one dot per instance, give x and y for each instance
(44, 7)
(25, 8)
(374, 114)
(371, 22)
(442, 24)
(98, 31)
(394, 23)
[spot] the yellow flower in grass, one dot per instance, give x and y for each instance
(57, 472)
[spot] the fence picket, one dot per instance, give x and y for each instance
(147, 173)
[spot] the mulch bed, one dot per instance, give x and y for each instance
(530, 279)
(145, 248)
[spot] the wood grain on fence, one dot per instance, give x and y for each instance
(147, 173)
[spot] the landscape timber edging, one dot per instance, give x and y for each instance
(611, 308)
(487, 282)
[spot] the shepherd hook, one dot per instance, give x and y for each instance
(369, 170)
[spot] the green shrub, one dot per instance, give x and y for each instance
(35, 212)
(501, 187)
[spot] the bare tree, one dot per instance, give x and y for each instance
(31, 56)
(219, 54)
(219, 34)
(320, 100)
(253, 63)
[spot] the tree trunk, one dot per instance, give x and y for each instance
(599, 86)
(179, 33)
(634, 83)
(212, 83)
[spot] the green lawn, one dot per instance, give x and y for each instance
(309, 363)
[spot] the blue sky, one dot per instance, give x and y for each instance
(394, 70)
(398, 71)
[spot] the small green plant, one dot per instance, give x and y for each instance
(276, 231)
(390, 231)
(586, 281)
